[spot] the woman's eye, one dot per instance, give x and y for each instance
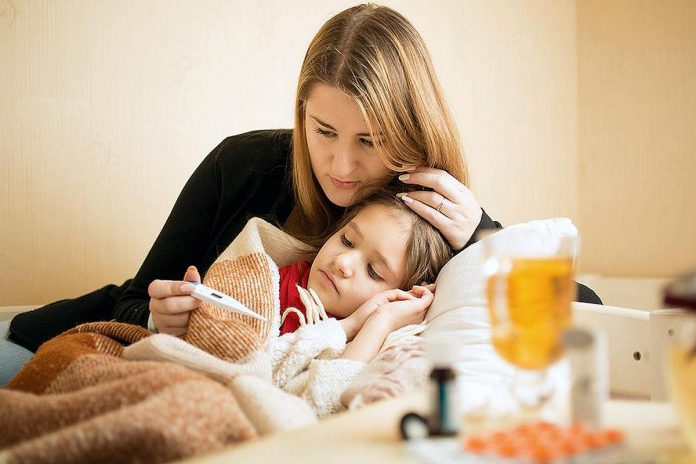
(324, 133)
(373, 274)
(367, 143)
(345, 241)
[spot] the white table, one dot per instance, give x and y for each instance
(371, 435)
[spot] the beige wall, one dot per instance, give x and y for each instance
(637, 136)
(108, 106)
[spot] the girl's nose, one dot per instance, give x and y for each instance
(344, 265)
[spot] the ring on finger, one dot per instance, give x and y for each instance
(442, 202)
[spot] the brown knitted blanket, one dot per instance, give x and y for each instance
(79, 399)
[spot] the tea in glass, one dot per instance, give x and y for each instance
(530, 308)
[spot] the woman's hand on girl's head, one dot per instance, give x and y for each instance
(171, 303)
(451, 207)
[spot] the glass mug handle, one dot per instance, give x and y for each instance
(496, 271)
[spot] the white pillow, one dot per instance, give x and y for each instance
(459, 316)
(461, 283)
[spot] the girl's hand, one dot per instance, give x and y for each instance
(386, 318)
(397, 314)
(353, 323)
(451, 207)
(171, 303)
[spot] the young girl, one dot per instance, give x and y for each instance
(366, 260)
(367, 276)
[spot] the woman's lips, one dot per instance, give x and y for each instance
(329, 277)
(342, 184)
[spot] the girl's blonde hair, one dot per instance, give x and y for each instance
(427, 251)
(375, 55)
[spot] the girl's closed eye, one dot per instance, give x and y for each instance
(373, 274)
(370, 270)
(345, 241)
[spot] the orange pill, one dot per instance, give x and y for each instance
(507, 450)
(542, 454)
(590, 440)
(602, 439)
(571, 446)
(613, 435)
(476, 444)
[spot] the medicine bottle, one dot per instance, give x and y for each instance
(587, 353)
(444, 411)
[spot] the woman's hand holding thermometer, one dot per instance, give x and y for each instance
(171, 302)
(219, 299)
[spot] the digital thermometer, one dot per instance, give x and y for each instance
(219, 299)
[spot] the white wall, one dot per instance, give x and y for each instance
(107, 107)
(637, 142)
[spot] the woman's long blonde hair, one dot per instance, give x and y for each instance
(374, 54)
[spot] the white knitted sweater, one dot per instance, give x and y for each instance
(308, 363)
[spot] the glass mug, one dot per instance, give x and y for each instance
(529, 289)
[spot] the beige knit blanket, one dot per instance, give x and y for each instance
(112, 392)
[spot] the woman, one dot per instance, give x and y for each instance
(369, 107)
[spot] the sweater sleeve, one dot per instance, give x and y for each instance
(486, 223)
(181, 242)
(246, 175)
(307, 363)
